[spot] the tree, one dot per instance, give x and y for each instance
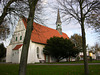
(94, 19)
(95, 48)
(60, 48)
(77, 40)
(11, 8)
(4, 28)
(23, 61)
(79, 10)
(2, 51)
(94, 22)
(5, 10)
(4, 31)
(10, 11)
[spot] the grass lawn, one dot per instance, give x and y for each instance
(12, 69)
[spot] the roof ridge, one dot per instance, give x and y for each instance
(41, 33)
(37, 23)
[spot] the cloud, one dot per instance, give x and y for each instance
(44, 1)
(69, 33)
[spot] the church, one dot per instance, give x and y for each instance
(38, 40)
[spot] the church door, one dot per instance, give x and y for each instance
(47, 58)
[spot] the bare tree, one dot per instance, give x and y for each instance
(4, 31)
(4, 28)
(5, 9)
(94, 21)
(77, 40)
(19, 8)
(95, 48)
(79, 10)
(10, 11)
(94, 18)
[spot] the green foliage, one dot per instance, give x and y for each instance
(60, 48)
(2, 51)
(78, 58)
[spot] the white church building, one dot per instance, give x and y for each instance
(38, 40)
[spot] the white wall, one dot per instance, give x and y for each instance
(98, 53)
(32, 55)
(94, 56)
(19, 31)
(9, 53)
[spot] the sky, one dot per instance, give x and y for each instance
(72, 28)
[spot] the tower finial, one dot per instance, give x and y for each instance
(58, 18)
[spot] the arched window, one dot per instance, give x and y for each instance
(38, 52)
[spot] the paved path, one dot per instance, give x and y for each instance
(57, 64)
(70, 64)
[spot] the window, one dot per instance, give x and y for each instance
(16, 38)
(20, 37)
(58, 24)
(38, 52)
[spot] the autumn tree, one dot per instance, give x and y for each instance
(77, 40)
(60, 48)
(79, 10)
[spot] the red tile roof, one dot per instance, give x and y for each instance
(41, 33)
(17, 47)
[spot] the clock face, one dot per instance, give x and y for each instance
(58, 25)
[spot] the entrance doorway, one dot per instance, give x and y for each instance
(47, 58)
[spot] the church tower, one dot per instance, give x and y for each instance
(58, 23)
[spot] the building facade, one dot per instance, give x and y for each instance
(39, 36)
